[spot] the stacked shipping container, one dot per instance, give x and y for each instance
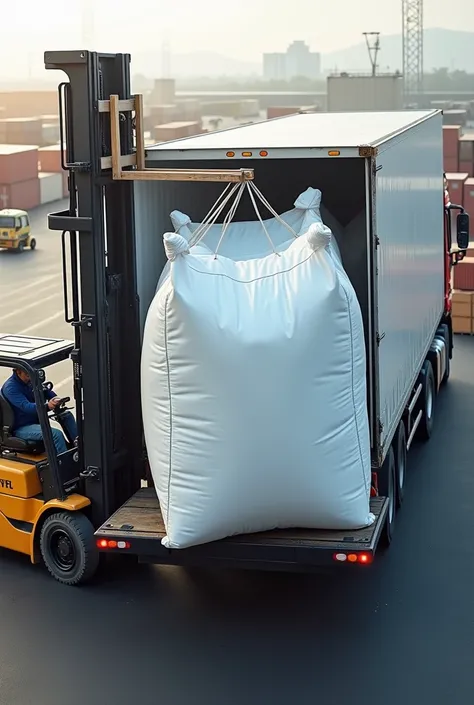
(49, 162)
(466, 154)
(19, 182)
(176, 130)
(451, 135)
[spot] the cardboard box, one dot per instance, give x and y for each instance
(462, 325)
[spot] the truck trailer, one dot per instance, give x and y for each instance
(381, 176)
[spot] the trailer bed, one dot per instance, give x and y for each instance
(139, 525)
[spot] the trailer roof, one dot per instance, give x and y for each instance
(310, 130)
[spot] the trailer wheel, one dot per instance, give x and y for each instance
(427, 402)
(68, 547)
(401, 462)
(387, 482)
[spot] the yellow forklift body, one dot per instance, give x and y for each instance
(22, 506)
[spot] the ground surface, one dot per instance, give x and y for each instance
(400, 632)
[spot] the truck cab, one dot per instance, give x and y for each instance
(15, 230)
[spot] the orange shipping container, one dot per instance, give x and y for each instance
(280, 111)
(29, 103)
(176, 131)
(468, 202)
(451, 135)
(463, 275)
(466, 154)
(451, 164)
(18, 162)
(22, 194)
(50, 159)
(456, 187)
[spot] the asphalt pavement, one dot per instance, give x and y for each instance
(398, 632)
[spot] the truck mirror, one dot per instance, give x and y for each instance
(462, 231)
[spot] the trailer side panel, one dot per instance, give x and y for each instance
(410, 280)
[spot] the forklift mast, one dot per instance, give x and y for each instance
(98, 240)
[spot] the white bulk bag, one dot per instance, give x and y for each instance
(253, 382)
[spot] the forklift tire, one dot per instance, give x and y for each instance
(387, 483)
(427, 402)
(32, 244)
(401, 462)
(68, 547)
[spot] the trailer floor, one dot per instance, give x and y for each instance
(141, 518)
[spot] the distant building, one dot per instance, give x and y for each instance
(297, 62)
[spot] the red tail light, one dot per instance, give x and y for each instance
(361, 558)
(110, 543)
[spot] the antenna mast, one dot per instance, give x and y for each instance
(372, 39)
(412, 30)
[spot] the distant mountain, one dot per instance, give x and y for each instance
(443, 48)
(195, 65)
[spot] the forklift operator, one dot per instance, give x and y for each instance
(18, 391)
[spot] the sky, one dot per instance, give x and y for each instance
(242, 29)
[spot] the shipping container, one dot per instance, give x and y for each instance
(188, 109)
(21, 131)
(18, 162)
(468, 201)
(21, 194)
(29, 103)
(50, 158)
(50, 134)
(455, 117)
(176, 131)
(226, 108)
(276, 111)
(346, 93)
(451, 164)
(456, 187)
(51, 187)
(463, 275)
(451, 136)
(466, 154)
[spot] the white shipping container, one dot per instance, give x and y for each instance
(381, 177)
(354, 93)
(51, 187)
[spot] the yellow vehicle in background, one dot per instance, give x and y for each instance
(15, 230)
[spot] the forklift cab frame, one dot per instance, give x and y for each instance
(41, 502)
(59, 475)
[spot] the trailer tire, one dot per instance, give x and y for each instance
(427, 402)
(387, 483)
(401, 462)
(68, 547)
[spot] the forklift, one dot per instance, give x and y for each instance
(42, 511)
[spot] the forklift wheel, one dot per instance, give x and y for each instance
(68, 547)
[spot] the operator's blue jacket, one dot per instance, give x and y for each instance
(20, 396)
